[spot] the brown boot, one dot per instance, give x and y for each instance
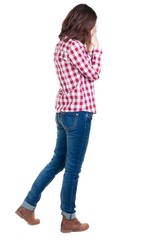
(27, 215)
(73, 225)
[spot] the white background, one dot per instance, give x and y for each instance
(114, 188)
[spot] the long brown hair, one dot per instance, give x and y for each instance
(78, 24)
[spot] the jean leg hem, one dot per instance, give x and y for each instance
(69, 216)
(28, 206)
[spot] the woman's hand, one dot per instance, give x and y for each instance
(94, 41)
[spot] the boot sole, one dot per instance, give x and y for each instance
(69, 231)
(65, 231)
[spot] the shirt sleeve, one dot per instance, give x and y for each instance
(89, 64)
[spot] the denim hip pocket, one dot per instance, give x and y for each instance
(68, 120)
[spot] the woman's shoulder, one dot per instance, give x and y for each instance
(75, 42)
(70, 45)
(70, 42)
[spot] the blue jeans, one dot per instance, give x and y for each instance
(73, 130)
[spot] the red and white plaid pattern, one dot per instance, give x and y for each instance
(77, 69)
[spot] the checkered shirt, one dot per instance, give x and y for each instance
(77, 69)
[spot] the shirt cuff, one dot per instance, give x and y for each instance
(95, 50)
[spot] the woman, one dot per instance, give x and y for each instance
(77, 60)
